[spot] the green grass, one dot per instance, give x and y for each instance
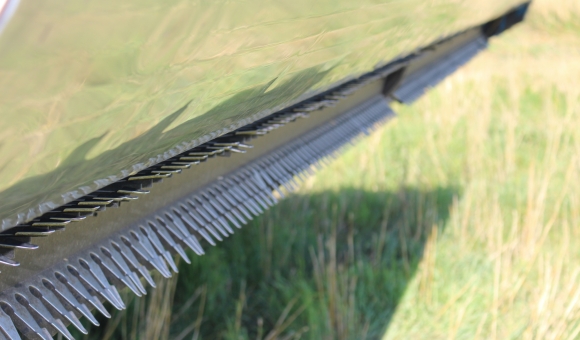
(460, 219)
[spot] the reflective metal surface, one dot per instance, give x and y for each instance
(93, 91)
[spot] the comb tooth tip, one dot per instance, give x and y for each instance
(64, 294)
(7, 327)
(42, 316)
(56, 308)
(23, 320)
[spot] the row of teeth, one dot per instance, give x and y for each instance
(44, 306)
(136, 185)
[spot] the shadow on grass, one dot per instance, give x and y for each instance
(331, 265)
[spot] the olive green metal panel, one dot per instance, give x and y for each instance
(93, 90)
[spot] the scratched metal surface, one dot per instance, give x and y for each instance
(91, 91)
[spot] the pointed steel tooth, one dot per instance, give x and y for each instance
(225, 143)
(297, 158)
(115, 292)
(24, 322)
(230, 217)
(194, 244)
(221, 226)
(234, 210)
(304, 166)
(163, 232)
(152, 236)
(219, 210)
(127, 254)
(133, 192)
(219, 149)
(294, 164)
(219, 201)
(92, 285)
(188, 164)
(236, 150)
(146, 255)
(187, 220)
(116, 199)
(206, 224)
(249, 201)
(217, 225)
(169, 259)
(291, 179)
(242, 198)
(80, 210)
(68, 219)
(98, 203)
(68, 300)
(265, 197)
(199, 207)
(50, 224)
(283, 176)
(270, 181)
(8, 261)
(193, 158)
(7, 327)
(206, 236)
(175, 167)
(148, 176)
(81, 293)
(221, 220)
(261, 205)
(261, 187)
(55, 307)
(265, 187)
(129, 198)
(202, 153)
(166, 171)
(16, 243)
(42, 316)
(201, 156)
(100, 277)
(175, 221)
(230, 187)
(179, 231)
(189, 239)
(301, 164)
(257, 188)
(26, 231)
(250, 133)
(124, 269)
(276, 182)
(237, 207)
(215, 204)
(145, 242)
(112, 273)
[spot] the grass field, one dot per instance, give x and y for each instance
(459, 219)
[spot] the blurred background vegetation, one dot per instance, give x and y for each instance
(459, 219)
